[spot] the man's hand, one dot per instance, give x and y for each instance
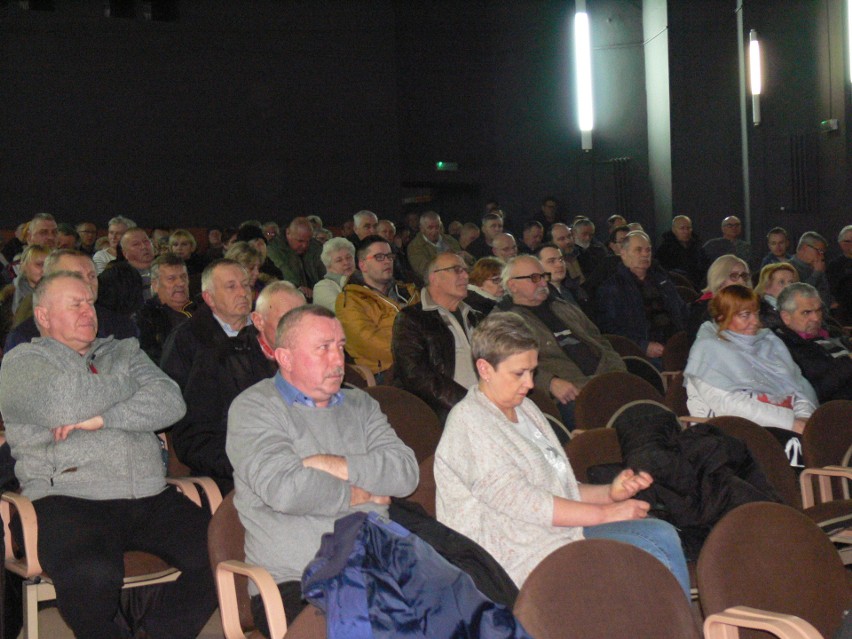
(628, 484)
(655, 349)
(334, 465)
(360, 496)
(563, 391)
(60, 433)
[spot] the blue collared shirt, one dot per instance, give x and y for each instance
(292, 395)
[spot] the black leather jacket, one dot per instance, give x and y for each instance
(424, 355)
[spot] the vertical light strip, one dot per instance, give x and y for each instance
(755, 79)
(583, 58)
(849, 34)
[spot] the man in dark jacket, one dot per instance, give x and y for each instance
(212, 367)
(169, 306)
(431, 339)
(681, 251)
(825, 361)
(639, 301)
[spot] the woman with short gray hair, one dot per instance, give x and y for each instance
(503, 480)
(338, 257)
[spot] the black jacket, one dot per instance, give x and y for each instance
(156, 321)
(699, 473)
(687, 260)
(212, 369)
(830, 376)
(424, 355)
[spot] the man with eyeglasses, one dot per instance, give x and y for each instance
(640, 301)
(572, 350)
(369, 304)
(730, 242)
(431, 339)
(809, 262)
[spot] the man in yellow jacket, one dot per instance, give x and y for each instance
(368, 306)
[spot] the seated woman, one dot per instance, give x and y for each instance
(484, 286)
(183, 244)
(738, 368)
(338, 257)
(32, 269)
(504, 481)
(774, 278)
(724, 271)
(251, 259)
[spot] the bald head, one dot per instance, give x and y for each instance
(274, 301)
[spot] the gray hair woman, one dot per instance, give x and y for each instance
(504, 481)
(338, 256)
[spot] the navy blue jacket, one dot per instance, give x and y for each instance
(375, 579)
(621, 310)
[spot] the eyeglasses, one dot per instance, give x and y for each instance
(535, 278)
(381, 257)
(457, 270)
(818, 250)
(745, 276)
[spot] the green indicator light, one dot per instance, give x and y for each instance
(446, 166)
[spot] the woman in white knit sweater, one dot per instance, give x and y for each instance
(504, 481)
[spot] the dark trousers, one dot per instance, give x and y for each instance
(291, 595)
(81, 545)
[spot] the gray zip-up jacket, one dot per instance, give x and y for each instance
(46, 384)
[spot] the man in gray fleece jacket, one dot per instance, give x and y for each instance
(306, 453)
(81, 414)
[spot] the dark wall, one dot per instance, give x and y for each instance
(799, 176)
(283, 109)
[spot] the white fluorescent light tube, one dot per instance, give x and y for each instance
(583, 57)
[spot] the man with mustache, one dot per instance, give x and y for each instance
(306, 453)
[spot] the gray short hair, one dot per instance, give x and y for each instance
(625, 241)
(429, 215)
(168, 259)
(291, 319)
(501, 335)
(42, 216)
(808, 238)
(334, 245)
(506, 275)
(44, 284)
(361, 215)
(584, 222)
(207, 273)
(51, 260)
(120, 219)
(846, 229)
(787, 297)
(278, 286)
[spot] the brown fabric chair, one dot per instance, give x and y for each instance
(680, 280)
(828, 434)
(770, 557)
(425, 492)
(641, 367)
(355, 376)
(599, 446)
(624, 346)
(676, 352)
(676, 396)
(605, 394)
(550, 410)
(225, 544)
(600, 588)
(414, 421)
(767, 452)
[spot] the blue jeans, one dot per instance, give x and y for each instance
(651, 535)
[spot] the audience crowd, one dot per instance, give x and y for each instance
(244, 335)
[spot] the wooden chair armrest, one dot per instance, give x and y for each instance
(723, 625)
(206, 486)
(226, 586)
(823, 479)
(28, 566)
(668, 376)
